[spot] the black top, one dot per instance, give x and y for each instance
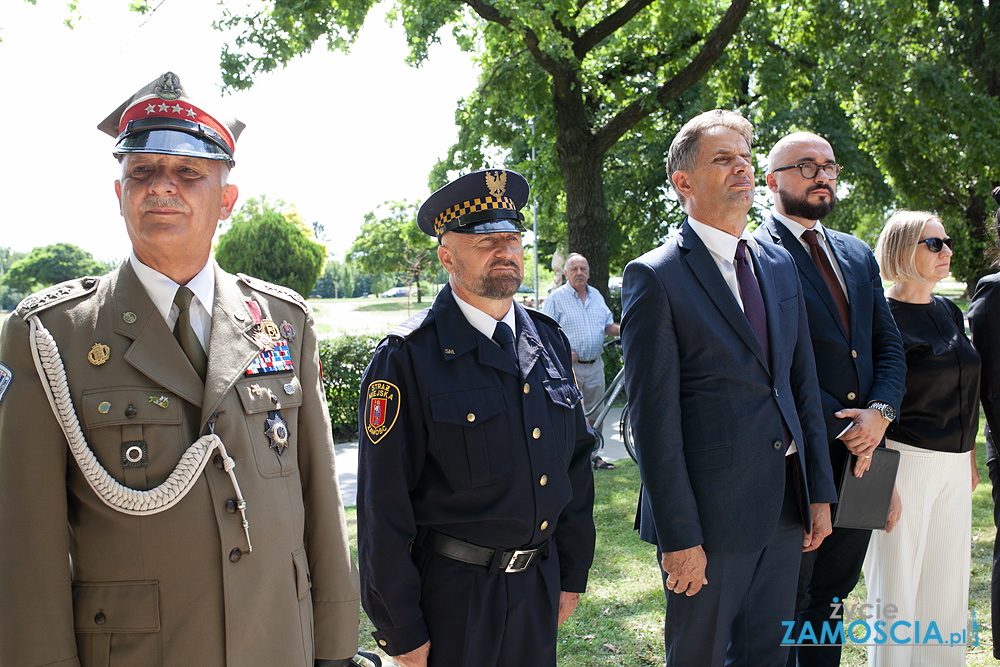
(940, 409)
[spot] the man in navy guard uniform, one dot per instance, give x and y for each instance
(475, 501)
(183, 507)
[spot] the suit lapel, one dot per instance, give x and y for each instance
(808, 269)
(154, 351)
(703, 265)
(846, 270)
(232, 347)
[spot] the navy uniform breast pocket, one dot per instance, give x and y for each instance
(563, 398)
(471, 436)
(271, 406)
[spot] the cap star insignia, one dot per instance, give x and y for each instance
(277, 432)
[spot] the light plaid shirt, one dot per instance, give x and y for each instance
(584, 323)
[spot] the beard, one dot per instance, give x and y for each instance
(490, 286)
(803, 208)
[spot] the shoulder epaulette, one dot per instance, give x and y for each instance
(284, 293)
(46, 298)
(407, 327)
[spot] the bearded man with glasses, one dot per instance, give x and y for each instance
(859, 356)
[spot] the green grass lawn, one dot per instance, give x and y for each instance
(620, 619)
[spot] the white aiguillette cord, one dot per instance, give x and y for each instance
(115, 495)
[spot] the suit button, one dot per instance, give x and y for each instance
(471, 417)
(217, 460)
(231, 506)
(543, 480)
(776, 392)
(527, 388)
(383, 643)
(778, 444)
(100, 618)
(235, 555)
(536, 434)
(545, 524)
(854, 353)
(851, 396)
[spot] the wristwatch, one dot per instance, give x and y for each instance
(887, 411)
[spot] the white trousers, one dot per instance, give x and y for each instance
(922, 567)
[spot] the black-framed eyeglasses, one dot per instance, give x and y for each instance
(934, 244)
(810, 169)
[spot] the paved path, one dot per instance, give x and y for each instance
(347, 456)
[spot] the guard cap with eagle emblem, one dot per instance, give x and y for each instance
(483, 202)
(160, 118)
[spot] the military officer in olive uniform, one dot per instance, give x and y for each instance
(475, 495)
(183, 509)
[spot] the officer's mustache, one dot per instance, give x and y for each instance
(504, 262)
(164, 202)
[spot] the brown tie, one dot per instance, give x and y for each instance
(185, 335)
(818, 255)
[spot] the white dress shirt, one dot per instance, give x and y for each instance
(484, 322)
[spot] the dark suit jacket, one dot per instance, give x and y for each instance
(707, 407)
(984, 323)
(867, 366)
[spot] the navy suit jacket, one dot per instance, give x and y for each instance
(869, 365)
(707, 407)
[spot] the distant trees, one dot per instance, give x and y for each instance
(271, 242)
(49, 265)
(391, 242)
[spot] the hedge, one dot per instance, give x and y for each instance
(344, 360)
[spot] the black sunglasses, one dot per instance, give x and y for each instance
(934, 244)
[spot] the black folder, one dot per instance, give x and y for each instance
(864, 503)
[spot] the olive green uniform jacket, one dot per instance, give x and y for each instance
(84, 584)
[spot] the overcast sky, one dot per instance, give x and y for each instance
(334, 135)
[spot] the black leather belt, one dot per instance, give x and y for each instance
(505, 560)
(580, 361)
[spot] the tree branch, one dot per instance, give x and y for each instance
(715, 44)
(490, 13)
(774, 46)
(593, 36)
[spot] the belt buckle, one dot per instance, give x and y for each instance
(520, 560)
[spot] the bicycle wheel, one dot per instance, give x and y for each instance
(626, 430)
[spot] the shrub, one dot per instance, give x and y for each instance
(344, 360)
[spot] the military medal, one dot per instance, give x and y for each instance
(255, 389)
(270, 328)
(128, 317)
(104, 408)
(98, 354)
(273, 360)
(161, 401)
(5, 379)
(287, 330)
(277, 431)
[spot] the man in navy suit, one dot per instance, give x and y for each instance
(859, 356)
(726, 411)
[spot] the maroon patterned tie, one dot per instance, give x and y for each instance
(818, 255)
(753, 304)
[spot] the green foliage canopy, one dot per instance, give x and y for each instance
(49, 265)
(391, 242)
(272, 243)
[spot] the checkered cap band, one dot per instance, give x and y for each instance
(487, 203)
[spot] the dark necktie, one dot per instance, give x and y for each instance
(753, 307)
(753, 303)
(818, 255)
(185, 335)
(504, 337)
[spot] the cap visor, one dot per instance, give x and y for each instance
(171, 142)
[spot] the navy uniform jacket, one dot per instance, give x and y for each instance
(455, 438)
(867, 366)
(707, 407)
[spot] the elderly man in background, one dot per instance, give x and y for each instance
(580, 310)
(123, 542)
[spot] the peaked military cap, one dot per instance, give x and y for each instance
(160, 118)
(482, 202)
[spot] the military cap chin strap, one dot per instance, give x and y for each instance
(115, 495)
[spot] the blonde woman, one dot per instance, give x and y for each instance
(922, 567)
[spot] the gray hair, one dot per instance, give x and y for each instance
(686, 145)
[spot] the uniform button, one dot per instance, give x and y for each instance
(217, 460)
(851, 396)
(536, 434)
(231, 506)
(471, 417)
(776, 392)
(778, 444)
(545, 524)
(100, 618)
(383, 642)
(235, 555)
(854, 353)
(543, 480)
(527, 388)
(130, 411)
